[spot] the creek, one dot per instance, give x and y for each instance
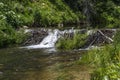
(43, 61)
(35, 64)
(39, 61)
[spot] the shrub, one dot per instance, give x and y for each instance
(13, 19)
(76, 42)
(37, 18)
(9, 35)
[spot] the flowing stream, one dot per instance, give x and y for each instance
(53, 36)
(50, 40)
(37, 64)
(43, 61)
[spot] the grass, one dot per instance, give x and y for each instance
(105, 61)
(70, 43)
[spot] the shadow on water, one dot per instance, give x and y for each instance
(25, 64)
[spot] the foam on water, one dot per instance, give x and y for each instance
(49, 41)
(53, 36)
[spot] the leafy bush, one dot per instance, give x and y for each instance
(69, 43)
(8, 35)
(13, 19)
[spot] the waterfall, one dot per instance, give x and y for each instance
(49, 41)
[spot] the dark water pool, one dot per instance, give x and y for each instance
(37, 64)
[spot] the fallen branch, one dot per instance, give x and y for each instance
(92, 42)
(111, 40)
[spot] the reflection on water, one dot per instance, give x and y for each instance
(37, 64)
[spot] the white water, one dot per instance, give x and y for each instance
(49, 41)
(53, 36)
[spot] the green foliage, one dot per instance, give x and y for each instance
(110, 72)
(8, 35)
(68, 43)
(50, 12)
(97, 13)
(105, 60)
(10, 16)
(108, 11)
(14, 14)
(17, 13)
(13, 19)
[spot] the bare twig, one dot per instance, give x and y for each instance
(110, 39)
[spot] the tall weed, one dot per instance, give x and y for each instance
(106, 61)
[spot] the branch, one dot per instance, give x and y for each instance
(110, 39)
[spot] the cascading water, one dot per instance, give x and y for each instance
(49, 41)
